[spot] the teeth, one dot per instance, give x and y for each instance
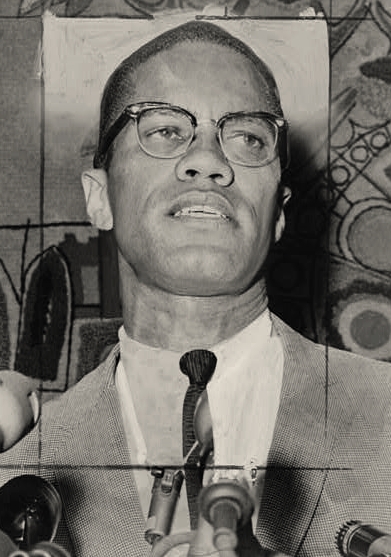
(200, 211)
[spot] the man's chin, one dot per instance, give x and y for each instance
(200, 270)
(201, 286)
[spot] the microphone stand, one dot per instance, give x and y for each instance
(225, 506)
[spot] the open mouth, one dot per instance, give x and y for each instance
(200, 212)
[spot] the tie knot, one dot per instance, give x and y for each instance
(198, 365)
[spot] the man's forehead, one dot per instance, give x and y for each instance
(190, 64)
(195, 52)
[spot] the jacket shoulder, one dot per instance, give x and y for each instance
(332, 357)
(33, 451)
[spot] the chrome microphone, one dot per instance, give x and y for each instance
(168, 482)
(165, 493)
(356, 539)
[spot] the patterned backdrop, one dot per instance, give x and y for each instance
(330, 275)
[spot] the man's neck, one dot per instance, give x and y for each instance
(179, 323)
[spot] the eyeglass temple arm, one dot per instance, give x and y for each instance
(283, 147)
(111, 134)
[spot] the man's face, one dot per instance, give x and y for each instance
(194, 225)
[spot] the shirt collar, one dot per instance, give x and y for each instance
(134, 352)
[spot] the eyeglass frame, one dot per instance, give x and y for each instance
(135, 110)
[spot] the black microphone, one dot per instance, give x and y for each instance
(19, 407)
(30, 511)
(356, 539)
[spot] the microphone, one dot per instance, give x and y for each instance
(355, 539)
(43, 549)
(225, 504)
(168, 482)
(165, 494)
(19, 407)
(30, 510)
(202, 424)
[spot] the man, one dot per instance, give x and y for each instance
(189, 172)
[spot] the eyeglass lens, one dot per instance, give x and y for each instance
(167, 133)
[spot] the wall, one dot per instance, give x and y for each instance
(330, 275)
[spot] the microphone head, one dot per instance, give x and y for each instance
(202, 424)
(356, 539)
(19, 407)
(343, 535)
(30, 510)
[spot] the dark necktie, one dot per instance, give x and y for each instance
(199, 366)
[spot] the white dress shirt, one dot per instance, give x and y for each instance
(243, 394)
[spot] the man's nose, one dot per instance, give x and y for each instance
(205, 159)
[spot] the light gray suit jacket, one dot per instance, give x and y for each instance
(330, 459)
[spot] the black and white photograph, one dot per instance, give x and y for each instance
(195, 278)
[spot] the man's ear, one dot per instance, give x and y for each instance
(285, 196)
(97, 200)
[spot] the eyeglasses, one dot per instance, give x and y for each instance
(165, 131)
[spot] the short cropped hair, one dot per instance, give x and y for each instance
(120, 86)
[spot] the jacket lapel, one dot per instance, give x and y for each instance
(101, 504)
(301, 447)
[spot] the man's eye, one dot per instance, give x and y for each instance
(247, 139)
(252, 140)
(168, 133)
